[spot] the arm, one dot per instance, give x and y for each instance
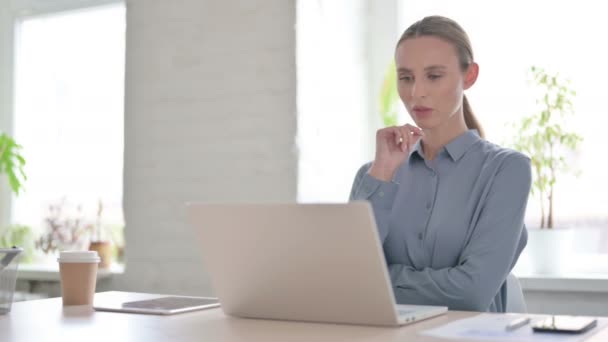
(379, 193)
(393, 146)
(488, 256)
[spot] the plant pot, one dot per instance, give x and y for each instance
(104, 249)
(549, 250)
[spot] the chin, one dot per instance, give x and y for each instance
(425, 123)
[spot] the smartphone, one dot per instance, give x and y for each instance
(565, 324)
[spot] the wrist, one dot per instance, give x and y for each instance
(381, 172)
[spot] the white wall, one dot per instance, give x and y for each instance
(6, 100)
(210, 116)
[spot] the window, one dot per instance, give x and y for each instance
(69, 113)
(332, 100)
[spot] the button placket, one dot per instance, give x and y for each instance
(429, 203)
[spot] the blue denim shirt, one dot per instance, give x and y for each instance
(452, 228)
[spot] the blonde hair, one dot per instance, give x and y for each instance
(448, 30)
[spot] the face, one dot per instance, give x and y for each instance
(430, 80)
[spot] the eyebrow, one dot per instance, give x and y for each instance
(429, 68)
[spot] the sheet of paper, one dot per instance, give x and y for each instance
(489, 326)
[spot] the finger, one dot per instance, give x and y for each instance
(386, 134)
(415, 130)
(406, 136)
(397, 135)
(411, 134)
(398, 138)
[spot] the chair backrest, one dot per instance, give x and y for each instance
(515, 296)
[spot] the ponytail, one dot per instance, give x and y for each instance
(470, 119)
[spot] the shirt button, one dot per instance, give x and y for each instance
(420, 236)
(381, 194)
(428, 205)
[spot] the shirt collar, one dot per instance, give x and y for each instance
(455, 148)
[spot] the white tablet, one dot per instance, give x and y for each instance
(165, 305)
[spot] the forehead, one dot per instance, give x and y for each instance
(421, 52)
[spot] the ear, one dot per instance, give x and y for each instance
(470, 75)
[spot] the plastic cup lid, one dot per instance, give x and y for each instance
(79, 256)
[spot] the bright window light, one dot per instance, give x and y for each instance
(69, 112)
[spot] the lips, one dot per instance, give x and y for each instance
(422, 111)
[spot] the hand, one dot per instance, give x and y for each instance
(393, 146)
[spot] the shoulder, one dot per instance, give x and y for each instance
(505, 166)
(503, 157)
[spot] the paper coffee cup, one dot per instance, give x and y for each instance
(78, 271)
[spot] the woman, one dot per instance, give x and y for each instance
(449, 205)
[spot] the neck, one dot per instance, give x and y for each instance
(436, 138)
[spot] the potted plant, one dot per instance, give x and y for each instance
(22, 236)
(545, 137)
(12, 163)
(100, 240)
(64, 230)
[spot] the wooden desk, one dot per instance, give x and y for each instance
(46, 320)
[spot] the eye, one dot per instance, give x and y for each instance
(406, 78)
(434, 77)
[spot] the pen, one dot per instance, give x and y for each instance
(517, 323)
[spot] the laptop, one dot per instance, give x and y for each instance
(300, 262)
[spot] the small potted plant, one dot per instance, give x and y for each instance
(64, 230)
(546, 138)
(12, 164)
(100, 241)
(22, 236)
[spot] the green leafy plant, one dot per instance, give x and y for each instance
(12, 163)
(545, 137)
(19, 235)
(389, 97)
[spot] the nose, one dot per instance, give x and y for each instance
(418, 90)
